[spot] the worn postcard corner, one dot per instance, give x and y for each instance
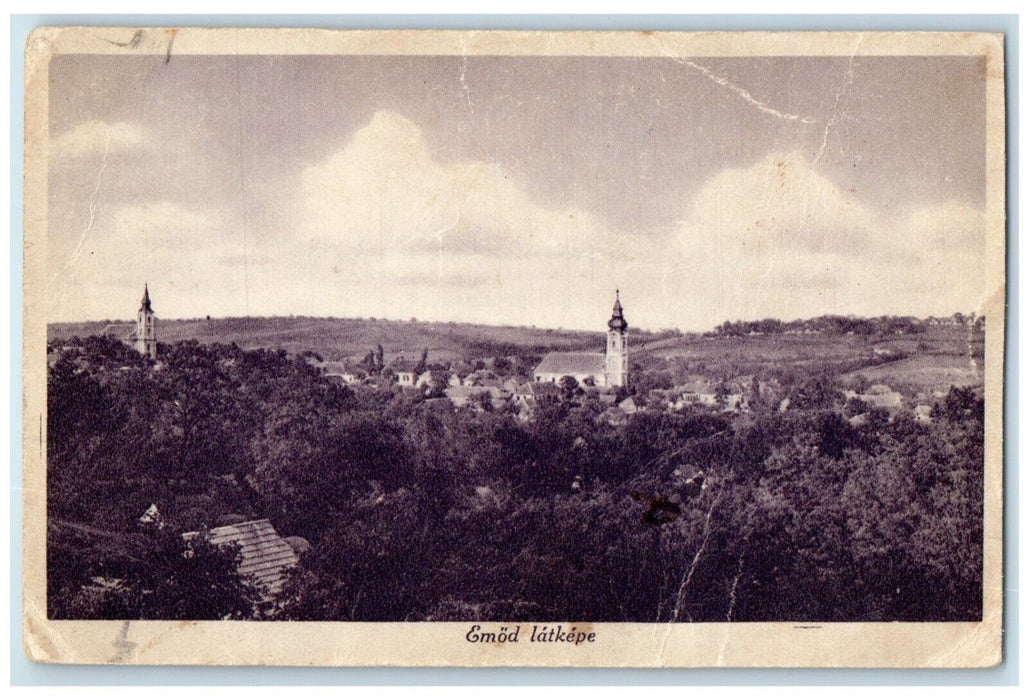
(603, 349)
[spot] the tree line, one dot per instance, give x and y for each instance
(842, 325)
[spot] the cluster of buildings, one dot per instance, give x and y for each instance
(485, 389)
(602, 374)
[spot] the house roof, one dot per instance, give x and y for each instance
(572, 363)
(264, 556)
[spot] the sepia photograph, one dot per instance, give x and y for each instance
(525, 348)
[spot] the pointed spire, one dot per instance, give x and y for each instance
(145, 304)
(617, 322)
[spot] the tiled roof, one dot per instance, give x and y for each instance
(572, 363)
(265, 556)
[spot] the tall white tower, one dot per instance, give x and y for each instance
(145, 337)
(616, 366)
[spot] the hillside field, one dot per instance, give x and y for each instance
(935, 359)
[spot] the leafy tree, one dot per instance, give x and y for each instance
(423, 362)
(153, 575)
(569, 387)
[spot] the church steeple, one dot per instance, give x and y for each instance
(145, 304)
(617, 322)
(616, 364)
(145, 337)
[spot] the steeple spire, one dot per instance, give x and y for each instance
(617, 322)
(145, 304)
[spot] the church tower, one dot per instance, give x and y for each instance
(616, 364)
(145, 337)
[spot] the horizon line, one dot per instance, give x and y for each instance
(413, 320)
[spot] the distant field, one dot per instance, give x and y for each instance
(927, 372)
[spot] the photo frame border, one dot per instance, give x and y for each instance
(28, 673)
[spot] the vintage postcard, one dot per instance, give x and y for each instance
(434, 348)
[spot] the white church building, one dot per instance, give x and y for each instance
(603, 369)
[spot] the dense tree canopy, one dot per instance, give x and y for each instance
(417, 511)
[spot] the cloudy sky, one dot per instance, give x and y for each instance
(516, 190)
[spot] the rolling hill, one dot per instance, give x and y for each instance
(337, 338)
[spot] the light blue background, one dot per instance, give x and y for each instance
(24, 672)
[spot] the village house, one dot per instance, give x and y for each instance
(404, 371)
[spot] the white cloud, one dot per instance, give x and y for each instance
(944, 244)
(385, 191)
(96, 138)
(397, 224)
(778, 204)
(779, 239)
(189, 257)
